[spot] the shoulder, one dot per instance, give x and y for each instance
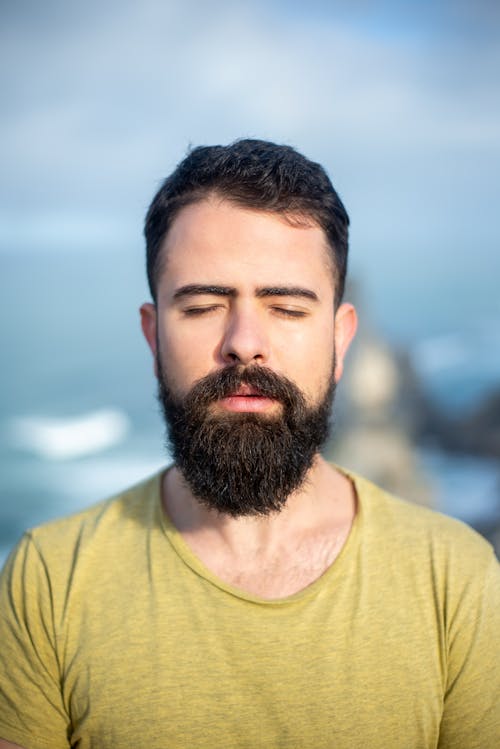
(418, 533)
(102, 527)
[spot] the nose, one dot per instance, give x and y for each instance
(245, 339)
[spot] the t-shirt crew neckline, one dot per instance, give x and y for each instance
(187, 556)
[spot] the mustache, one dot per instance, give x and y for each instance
(225, 382)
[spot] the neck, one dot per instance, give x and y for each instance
(325, 501)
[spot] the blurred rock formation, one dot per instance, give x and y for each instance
(377, 417)
(382, 414)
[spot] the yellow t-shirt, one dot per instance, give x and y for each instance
(113, 635)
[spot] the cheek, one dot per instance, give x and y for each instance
(310, 360)
(183, 360)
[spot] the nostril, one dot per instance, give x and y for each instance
(231, 357)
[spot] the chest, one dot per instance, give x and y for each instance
(275, 575)
(185, 664)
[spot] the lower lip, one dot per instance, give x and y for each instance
(248, 403)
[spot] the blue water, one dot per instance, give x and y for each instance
(76, 371)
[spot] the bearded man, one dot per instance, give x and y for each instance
(251, 594)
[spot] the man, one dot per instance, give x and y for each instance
(251, 595)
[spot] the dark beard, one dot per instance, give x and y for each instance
(244, 463)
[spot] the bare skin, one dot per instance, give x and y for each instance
(275, 556)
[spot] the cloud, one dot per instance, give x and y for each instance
(101, 101)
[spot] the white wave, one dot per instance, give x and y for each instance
(79, 484)
(63, 439)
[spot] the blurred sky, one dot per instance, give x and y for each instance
(399, 100)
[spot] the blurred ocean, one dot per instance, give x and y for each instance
(79, 419)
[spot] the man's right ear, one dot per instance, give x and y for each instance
(148, 325)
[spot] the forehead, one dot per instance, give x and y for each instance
(216, 241)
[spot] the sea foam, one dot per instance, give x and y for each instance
(67, 438)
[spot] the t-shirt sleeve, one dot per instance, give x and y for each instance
(32, 712)
(471, 715)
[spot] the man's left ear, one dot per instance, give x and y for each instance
(346, 323)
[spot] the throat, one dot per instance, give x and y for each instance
(274, 556)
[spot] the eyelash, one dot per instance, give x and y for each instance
(194, 311)
(199, 311)
(289, 312)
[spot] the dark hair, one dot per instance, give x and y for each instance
(255, 174)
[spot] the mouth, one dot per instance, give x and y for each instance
(246, 391)
(246, 399)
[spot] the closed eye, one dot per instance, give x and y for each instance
(287, 312)
(198, 311)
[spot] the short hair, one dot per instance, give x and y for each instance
(255, 174)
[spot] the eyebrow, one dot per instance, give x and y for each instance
(230, 291)
(287, 291)
(196, 288)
